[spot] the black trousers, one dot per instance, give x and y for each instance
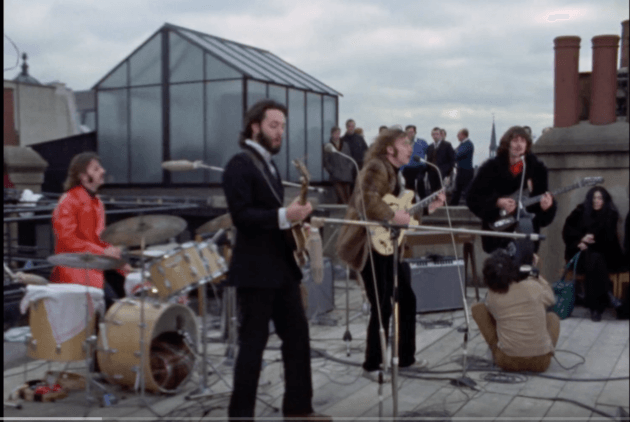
(414, 179)
(597, 283)
(284, 307)
(434, 179)
(113, 288)
(462, 182)
(384, 266)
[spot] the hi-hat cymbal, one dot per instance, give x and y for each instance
(221, 222)
(86, 261)
(153, 228)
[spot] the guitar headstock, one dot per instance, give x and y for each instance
(591, 181)
(304, 179)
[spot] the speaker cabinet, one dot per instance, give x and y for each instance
(436, 283)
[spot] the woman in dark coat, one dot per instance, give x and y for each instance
(592, 229)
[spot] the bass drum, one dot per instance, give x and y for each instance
(170, 342)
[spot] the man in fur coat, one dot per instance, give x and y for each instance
(500, 177)
(378, 177)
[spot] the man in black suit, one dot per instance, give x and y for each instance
(263, 269)
(442, 154)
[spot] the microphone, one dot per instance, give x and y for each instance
(181, 165)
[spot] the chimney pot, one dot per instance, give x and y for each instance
(566, 88)
(604, 80)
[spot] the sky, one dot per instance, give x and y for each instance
(451, 64)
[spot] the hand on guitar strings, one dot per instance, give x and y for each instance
(508, 204)
(401, 217)
(297, 212)
(546, 201)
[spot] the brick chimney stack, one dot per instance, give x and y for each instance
(604, 80)
(624, 44)
(566, 94)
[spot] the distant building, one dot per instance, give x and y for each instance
(36, 112)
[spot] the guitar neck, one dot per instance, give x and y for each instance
(535, 199)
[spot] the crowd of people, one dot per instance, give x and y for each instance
(514, 319)
(431, 167)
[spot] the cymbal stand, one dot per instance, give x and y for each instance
(89, 345)
(203, 390)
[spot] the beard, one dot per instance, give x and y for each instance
(267, 143)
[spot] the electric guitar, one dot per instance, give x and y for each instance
(297, 231)
(380, 236)
(507, 221)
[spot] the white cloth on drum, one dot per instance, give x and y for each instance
(65, 306)
(133, 282)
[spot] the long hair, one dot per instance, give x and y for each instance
(78, 165)
(499, 271)
(513, 132)
(379, 148)
(608, 211)
(256, 114)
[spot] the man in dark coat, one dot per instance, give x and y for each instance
(465, 170)
(442, 154)
(357, 144)
(263, 269)
(500, 177)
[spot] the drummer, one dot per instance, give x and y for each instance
(78, 221)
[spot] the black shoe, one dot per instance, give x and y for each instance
(308, 417)
(596, 316)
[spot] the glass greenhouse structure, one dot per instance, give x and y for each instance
(182, 95)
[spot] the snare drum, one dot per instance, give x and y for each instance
(168, 360)
(178, 271)
(215, 265)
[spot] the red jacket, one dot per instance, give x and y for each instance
(78, 221)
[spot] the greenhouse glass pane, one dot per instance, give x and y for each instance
(185, 60)
(224, 122)
(186, 129)
(216, 69)
(279, 94)
(330, 120)
(296, 126)
(112, 138)
(117, 79)
(146, 135)
(146, 63)
(256, 91)
(314, 138)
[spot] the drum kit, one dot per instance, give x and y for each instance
(144, 342)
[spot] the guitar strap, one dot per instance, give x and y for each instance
(261, 167)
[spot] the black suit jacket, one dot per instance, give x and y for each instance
(262, 256)
(444, 157)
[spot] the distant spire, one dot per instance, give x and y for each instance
(24, 65)
(24, 77)
(493, 140)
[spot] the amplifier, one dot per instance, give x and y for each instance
(435, 283)
(320, 296)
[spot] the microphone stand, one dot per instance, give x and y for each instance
(330, 148)
(463, 380)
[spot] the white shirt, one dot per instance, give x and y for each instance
(283, 221)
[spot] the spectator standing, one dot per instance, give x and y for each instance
(465, 170)
(339, 167)
(442, 154)
(414, 171)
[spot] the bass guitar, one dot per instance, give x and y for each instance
(380, 236)
(297, 237)
(506, 221)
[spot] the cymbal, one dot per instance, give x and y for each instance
(86, 261)
(153, 228)
(221, 222)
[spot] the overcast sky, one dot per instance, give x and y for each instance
(450, 63)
